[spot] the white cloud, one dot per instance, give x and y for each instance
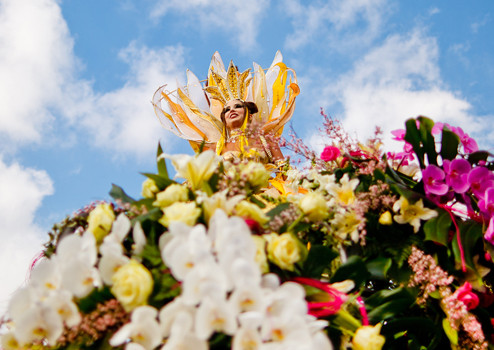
(122, 121)
(35, 60)
(240, 18)
(22, 191)
(337, 24)
(396, 81)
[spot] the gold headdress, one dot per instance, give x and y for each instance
(193, 112)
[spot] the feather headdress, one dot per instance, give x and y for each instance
(193, 111)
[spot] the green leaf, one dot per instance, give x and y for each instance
(428, 140)
(412, 136)
(161, 181)
(354, 268)
(277, 210)
(450, 332)
(478, 156)
(379, 267)
(319, 259)
(419, 332)
(449, 144)
(437, 229)
(386, 303)
(470, 233)
(117, 193)
(257, 202)
(97, 296)
(162, 170)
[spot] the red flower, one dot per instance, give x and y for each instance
(465, 295)
(329, 301)
(330, 153)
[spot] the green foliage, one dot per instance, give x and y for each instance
(437, 229)
(318, 261)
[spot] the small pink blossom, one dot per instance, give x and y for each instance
(399, 134)
(489, 233)
(457, 173)
(330, 153)
(433, 177)
(465, 295)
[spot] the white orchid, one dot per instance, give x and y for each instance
(143, 329)
(214, 315)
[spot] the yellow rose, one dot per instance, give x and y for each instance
(251, 211)
(149, 188)
(132, 285)
(173, 193)
(180, 211)
(314, 206)
(100, 221)
(285, 250)
(386, 218)
(261, 258)
(256, 174)
(368, 338)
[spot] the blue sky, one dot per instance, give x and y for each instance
(77, 78)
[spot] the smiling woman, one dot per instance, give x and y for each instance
(240, 115)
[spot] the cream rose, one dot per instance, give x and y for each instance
(173, 193)
(314, 206)
(251, 211)
(261, 258)
(100, 221)
(368, 338)
(256, 174)
(285, 250)
(132, 285)
(180, 211)
(149, 188)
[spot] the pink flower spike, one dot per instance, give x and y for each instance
(433, 177)
(457, 173)
(489, 233)
(465, 295)
(330, 153)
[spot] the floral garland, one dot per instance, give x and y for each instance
(363, 250)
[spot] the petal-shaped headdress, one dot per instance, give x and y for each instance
(193, 111)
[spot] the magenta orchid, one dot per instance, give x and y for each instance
(469, 144)
(479, 179)
(457, 173)
(486, 204)
(433, 177)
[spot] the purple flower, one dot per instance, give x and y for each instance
(489, 233)
(479, 179)
(469, 144)
(457, 174)
(486, 204)
(433, 177)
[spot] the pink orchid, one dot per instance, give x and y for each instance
(465, 295)
(330, 153)
(489, 233)
(486, 204)
(479, 179)
(437, 128)
(469, 144)
(433, 177)
(399, 134)
(457, 174)
(333, 298)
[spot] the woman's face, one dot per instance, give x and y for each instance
(234, 114)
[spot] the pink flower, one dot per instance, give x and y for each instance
(465, 295)
(479, 179)
(433, 177)
(399, 134)
(330, 153)
(486, 204)
(457, 173)
(469, 144)
(489, 233)
(333, 298)
(437, 128)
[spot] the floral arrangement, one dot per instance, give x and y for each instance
(363, 250)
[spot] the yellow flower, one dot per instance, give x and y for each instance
(285, 250)
(261, 258)
(195, 169)
(100, 220)
(314, 206)
(149, 188)
(368, 338)
(252, 211)
(256, 174)
(180, 211)
(344, 191)
(132, 285)
(386, 218)
(173, 193)
(412, 213)
(347, 224)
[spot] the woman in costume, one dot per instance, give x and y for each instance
(240, 115)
